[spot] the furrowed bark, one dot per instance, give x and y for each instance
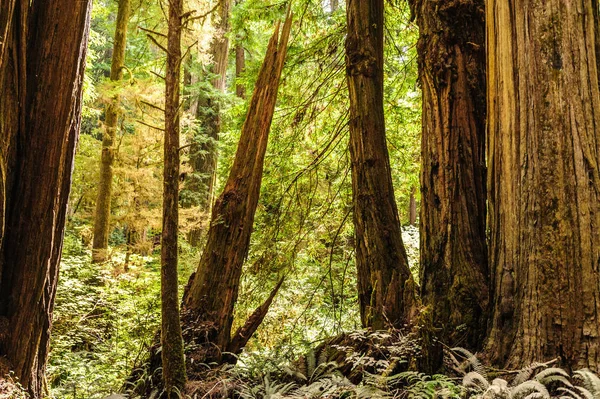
(42, 64)
(543, 181)
(386, 287)
(454, 273)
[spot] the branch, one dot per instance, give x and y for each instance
(157, 43)
(157, 75)
(149, 125)
(243, 334)
(153, 32)
(152, 105)
(188, 18)
(183, 147)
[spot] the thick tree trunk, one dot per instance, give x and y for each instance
(102, 214)
(42, 64)
(213, 289)
(173, 360)
(204, 152)
(454, 273)
(385, 285)
(544, 183)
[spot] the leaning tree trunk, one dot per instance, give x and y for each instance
(454, 274)
(102, 214)
(41, 70)
(213, 289)
(385, 285)
(173, 360)
(543, 180)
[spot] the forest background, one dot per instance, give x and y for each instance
(107, 313)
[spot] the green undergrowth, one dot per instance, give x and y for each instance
(104, 320)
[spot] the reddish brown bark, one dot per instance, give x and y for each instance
(454, 273)
(544, 182)
(42, 64)
(213, 289)
(386, 287)
(173, 360)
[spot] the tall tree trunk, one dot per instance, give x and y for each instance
(173, 360)
(454, 272)
(543, 180)
(412, 208)
(334, 4)
(213, 289)
(42, 64)
(240, 66)
(102, 214)
(204, 153)
(385, 285)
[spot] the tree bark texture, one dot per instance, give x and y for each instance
(204, 156)
(173, 360)
(213, 289)
(544, 183)
(42, 61)
(102, 213)
(454, 272)
(385, 285)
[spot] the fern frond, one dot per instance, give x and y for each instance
(553, 374)
(585, 393)
(523, 390)
(474, 380)
(526, 373)
(536, 395)
(590, 381)
(574, 395)
(471, 360)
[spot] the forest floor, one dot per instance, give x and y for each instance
(107, 315)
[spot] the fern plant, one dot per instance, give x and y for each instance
(536, 381)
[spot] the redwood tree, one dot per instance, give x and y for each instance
(102, 214)
(203, 153)
(454, 274)
(42, 60)
(544, 182)
(212, 291)
(173, 360)
(385, 285)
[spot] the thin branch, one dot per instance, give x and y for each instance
(149, 125)
(158, 75)
(157, 43)
(152, 32)
(152, 105)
